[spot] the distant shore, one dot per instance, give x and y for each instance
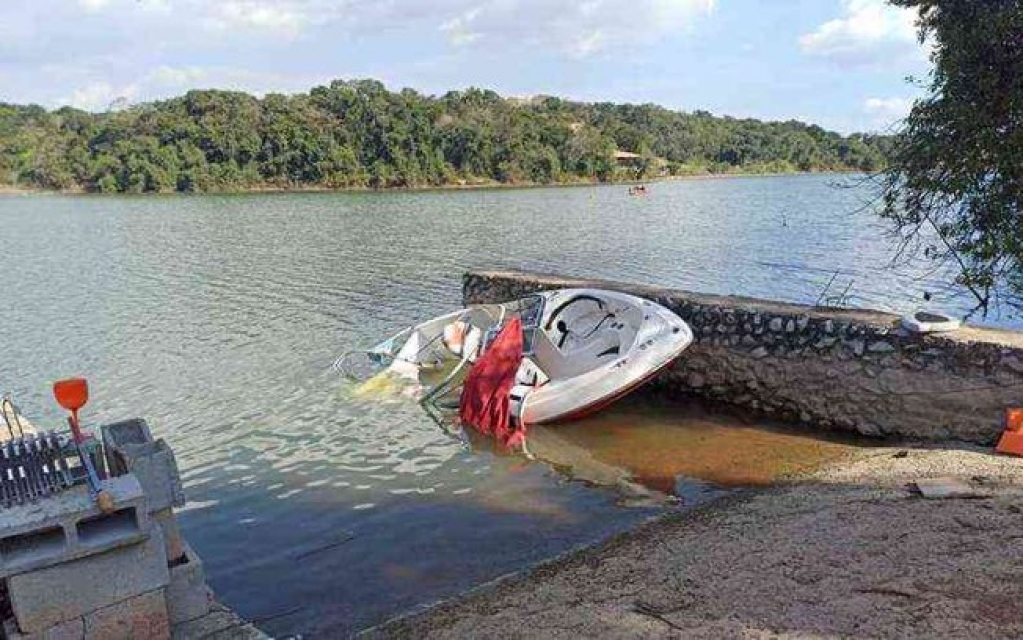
(459, 186)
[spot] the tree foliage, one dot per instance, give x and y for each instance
(359, 134)
(954, 186)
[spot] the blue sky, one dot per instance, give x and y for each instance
(838, 63)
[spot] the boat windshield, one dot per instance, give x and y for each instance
(531, 315)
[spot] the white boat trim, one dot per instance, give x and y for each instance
(584, 348)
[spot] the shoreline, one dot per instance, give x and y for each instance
(483, 186)
(836, 552)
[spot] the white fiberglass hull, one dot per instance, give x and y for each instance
(660, 337)
(585, 348)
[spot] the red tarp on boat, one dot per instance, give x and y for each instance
(484, 404)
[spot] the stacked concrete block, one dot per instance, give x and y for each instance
(70, 630)
(69, 526)
(188, 597)
(71, 590)
(142, 616)
(73, 572)
(119, 434)
(130, 448)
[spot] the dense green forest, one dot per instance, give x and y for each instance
(358, 134)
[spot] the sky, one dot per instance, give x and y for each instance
(842, 64)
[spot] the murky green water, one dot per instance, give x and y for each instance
(217, 318)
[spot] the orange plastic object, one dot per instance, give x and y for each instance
(72, 394)
(1012, 439)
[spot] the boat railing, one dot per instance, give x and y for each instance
(380, 354)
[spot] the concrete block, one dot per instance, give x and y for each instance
(219, 624)
(172, 539)
(69, 526)
(43, 598)
(119, 434)
(69, 630)
(188, 597)
(141, 617)
(154, 465)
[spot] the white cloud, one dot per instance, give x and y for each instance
(868, 32)
(100, 96)
(285, 19)
(178, 77)
(93, 5)
(150, 49)
(169, 81)
(573, 28)
(458, 30)
(888, 110)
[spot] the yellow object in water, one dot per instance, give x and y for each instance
(381, 384)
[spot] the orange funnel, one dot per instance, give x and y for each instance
(72, 394)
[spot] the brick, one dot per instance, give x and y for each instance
(172, 539)
(69, 630)
(188, 597)
(43, 598)
(69, 526)
(141, 617)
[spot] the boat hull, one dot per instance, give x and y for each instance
(660, 339)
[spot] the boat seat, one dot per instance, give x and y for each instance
(530, 374)
(575, 358)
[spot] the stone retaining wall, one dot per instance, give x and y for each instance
(845, 369)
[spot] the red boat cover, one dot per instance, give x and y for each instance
(484, 404)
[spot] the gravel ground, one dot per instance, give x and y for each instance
(848, 551)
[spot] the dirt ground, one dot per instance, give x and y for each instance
(848, 551)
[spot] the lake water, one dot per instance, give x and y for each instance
(217, 318)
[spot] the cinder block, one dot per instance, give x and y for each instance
(119, 434)
(141, 617)
(69, 526)
(172, 539)
(154, 465)
(43, 598)
(188, 597)
(69, 630)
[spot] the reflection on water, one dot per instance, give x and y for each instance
(662, 443)
(649, 447)
(217, 318)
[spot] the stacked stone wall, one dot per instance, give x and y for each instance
(842, 369)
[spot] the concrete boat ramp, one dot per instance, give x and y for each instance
(851, 550)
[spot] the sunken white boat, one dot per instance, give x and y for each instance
(583, 349)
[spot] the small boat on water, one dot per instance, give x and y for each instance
(581, 350)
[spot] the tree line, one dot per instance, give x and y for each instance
(354, 134)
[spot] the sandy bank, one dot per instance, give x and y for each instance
(847, 551)
(9, 190)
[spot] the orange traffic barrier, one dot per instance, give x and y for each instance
(1012, 439)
